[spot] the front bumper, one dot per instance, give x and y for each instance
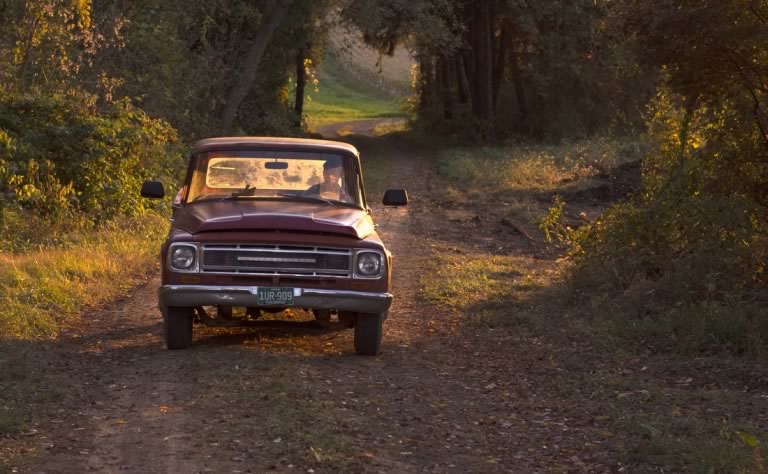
(198, 295)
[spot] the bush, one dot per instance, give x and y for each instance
(678, 272)
(686, 249)
(684, 262)
(67, 165)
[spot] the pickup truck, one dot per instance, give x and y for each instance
(265, 224)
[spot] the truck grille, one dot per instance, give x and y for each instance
(276, 260)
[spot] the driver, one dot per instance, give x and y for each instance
(330, 187)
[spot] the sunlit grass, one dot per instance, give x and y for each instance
(340, 98)
(487, 289)
(385, 128)
(42, 289)
(460, 282)
(533, 167)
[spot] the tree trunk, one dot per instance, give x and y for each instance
(444, 76)
(461, 79)
(275, 12)
(468, 60)
(483, 66)
(500, 64)
(301, 84)
(517, 80)
(426, 82)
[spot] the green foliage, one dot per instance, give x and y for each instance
(47, 44)
(180, 59)
(433, 24)
(683, 266)
(553, 223)
(680, 274)
(558, 69)
(565, 56)
(177, 60)
(63, 163)
(722, 241)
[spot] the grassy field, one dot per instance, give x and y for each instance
(341, 98)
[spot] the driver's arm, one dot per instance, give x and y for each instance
(312, 191)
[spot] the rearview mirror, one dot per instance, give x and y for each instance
(276, 165)
(395, 197)
(152, 189)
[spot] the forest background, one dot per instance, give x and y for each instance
(98, 95)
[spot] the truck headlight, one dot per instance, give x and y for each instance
(183, 257)
(369, 264)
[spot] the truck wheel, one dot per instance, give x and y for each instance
(368, 331)
(177, 327)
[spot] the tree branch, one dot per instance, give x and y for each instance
(757, 14)
(759, 122)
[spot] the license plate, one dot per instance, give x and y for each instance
(266, 296)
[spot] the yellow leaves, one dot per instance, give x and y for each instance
(54, 38)
(82, 8)
(748, 439)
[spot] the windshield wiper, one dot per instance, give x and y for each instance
(308, 198)
(248, 191)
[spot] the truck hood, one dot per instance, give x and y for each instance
(298, 216)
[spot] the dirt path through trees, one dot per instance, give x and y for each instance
(443, 397)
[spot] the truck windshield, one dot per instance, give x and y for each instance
(275, 175)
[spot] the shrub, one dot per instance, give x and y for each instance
(684, 249)
(68, 165)
(679, 266)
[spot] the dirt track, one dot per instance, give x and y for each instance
(442, 398)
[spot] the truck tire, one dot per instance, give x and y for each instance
(368, 332)
(177, 327)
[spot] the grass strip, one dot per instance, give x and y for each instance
(517, 167)
(489, 290)
(41, 290)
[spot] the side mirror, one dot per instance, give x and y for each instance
(152, 189)
(395, 197)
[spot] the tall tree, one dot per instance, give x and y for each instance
(301, 82)
(274, 13)
(481, 32)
